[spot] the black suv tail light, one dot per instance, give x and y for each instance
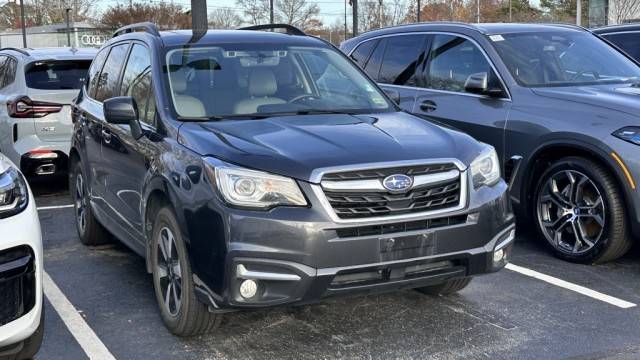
(24, 107)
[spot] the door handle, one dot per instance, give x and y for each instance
(106, 136)
(428, 106)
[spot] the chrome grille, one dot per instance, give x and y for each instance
(355, 202)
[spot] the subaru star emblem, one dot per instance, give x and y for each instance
(397, 182)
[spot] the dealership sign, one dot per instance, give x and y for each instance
(93, 40)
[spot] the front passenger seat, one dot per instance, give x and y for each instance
(186, 105)
(262, 85)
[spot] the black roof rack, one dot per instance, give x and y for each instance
(291, 30)
(146, 26)
(21, 51)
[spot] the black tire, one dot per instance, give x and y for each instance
(612, 240)
(189, 317)
(32, 344)
(90, 231)
(446, 288)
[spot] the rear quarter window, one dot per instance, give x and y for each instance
(57, 75)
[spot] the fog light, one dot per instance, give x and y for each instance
(248, 289)
(498, 255)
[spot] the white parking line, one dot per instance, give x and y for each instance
(571, 286)
(55, 207)
(88, 340)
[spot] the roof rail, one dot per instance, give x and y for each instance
(291, 30)
(21, 51)
(146, 26)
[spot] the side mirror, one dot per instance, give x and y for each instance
(394, 95)
(123, 110)
(478, 83)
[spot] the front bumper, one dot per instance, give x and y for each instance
(299, 255)
(21, 236)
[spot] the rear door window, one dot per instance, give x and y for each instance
(108, 81)
(94, 71)
(629, 42)
(57, 75)
(402, 56)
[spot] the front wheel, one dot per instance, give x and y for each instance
(181, 312)
(580, 212)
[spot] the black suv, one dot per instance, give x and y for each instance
(255, 168)
(559, 104)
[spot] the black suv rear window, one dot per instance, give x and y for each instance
(57, 75)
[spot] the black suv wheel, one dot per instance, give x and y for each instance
(580, 212)
(181, 312)
(90, 231)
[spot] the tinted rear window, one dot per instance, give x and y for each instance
(57, 75)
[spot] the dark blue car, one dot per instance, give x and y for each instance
(256, 168)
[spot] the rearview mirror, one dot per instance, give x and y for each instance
(123, 110)
(478, 83)
(394, 95)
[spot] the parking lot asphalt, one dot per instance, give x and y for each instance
(507, 315)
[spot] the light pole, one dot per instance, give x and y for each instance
(23, 25)
(579, 12)
(478, 11)
(271, 11)
(418, 14)
(67, 10)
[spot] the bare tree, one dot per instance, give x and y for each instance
(255, 11)
(165, 15)
(44, 12)
(300, 13)
(224, 18)
(379, 13)
(625, 10)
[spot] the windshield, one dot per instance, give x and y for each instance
(563, 59)
(267, 79)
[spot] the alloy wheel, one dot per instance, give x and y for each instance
(81, 209)
(169, 271)
(571, 212)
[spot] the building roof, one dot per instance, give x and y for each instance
(50, 28)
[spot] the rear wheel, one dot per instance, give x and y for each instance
(90, 231)
(580, 212)
(180, 310)
(446, 288)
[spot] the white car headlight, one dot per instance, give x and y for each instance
(255, 189)
(485, 169)
(13, 192)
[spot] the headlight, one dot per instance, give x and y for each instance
(485, 169)
(13, 192)
(629, 133)
(255, 189)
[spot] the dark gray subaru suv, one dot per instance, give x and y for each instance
(560, 106)
(256, 168)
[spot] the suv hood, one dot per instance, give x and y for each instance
(296, 145)
(619, 97)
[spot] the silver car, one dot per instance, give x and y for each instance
(36, 88)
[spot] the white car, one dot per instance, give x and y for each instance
(21, 311)
(37, 87)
